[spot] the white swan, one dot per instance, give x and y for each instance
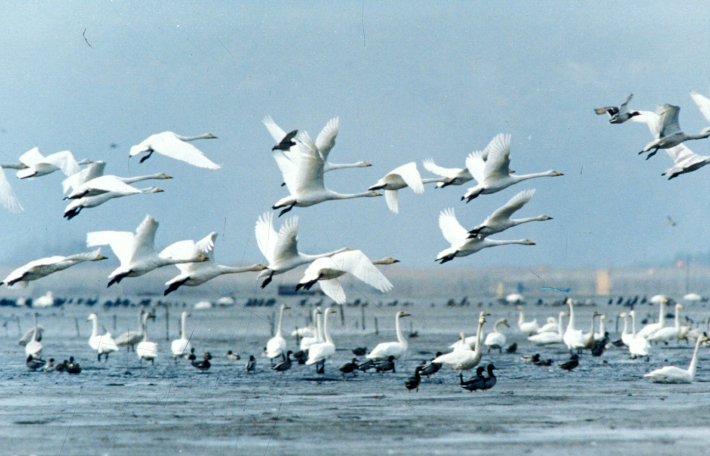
(665, 129)
(302, 170)
(526, 327)
(551, 325)
(146, 349)
(326, 271)
(135, 251)
(684, 161)
(649, 329)
(464, 358)
(400, 177)
(92, 171)
(493, 175)
(549, 338)
(104, 344)
(500, 219)
(104, 183)
(461, 245)
(194, 274)
(665, 335)
(34, 346)
(452, 176)
(181, 347)
(618, 115)
(602, 330)
(39, 165)
(672, 374)
(573, 338)
(589, 337)
(116, 191)
(638, 345)
(496, 339)
(8, 199)
(318, 353)
(175, 146)
(384, 350)
(307, 341)
(276, 346)
(129, 339)
(281, 249)
(324, 142)
(35, 270)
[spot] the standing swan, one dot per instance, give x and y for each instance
(104, 345)
(129, 339)
(181, 347)
(647, 330)
(397, 349)
(548, 338)
(399, 178)
(318, 353)
(638, 345)
(464, 358)
(667, 334)
(276, 346)
(147, 349)
(672, 374)
(526, 327)
(573, 338)
(34, 346)
(175, 146)
(496, 339)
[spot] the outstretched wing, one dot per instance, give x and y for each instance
(359, 265)
(168, 144)
(122, 243)
(8, 199)
(515, 203)
(392, 199)
(702, 103)
(306, 173)
(651, 119)
(411, 176)
(476, 164)
(432, 167)
(326, 139)
(452, 230)
(669, 119)
(498, 160)
(91, 172)
(287, 240)
(276, 132)
(65, 161)
(32, 157)
(266, 235)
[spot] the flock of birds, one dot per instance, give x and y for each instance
(303, 163)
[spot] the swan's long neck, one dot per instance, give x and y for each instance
(319, 329)
(145, 327)
(400, 338)
(522, 177)
(633, 324)
(479, 336)
(539, 218)
(694, 359)
(34, 333)
(570, 323)
(234, 270)
(325, 327)
(492, 242)
(626, 326)
(183, 325)
(147, 190)
(95, 328)
(192, 138)
(661, 315)
(341, 196)
(495, 327)
(131, 180)
(309, 258)
(602, 329)
(521, 319)
(333, 166)
(431, 180)
(281, 316)
(140, 322)
(592, 330)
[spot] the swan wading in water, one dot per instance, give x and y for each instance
(8, 199)
(146, 349)
(573, 338)
(281, 249)
(638, 345)
(461, 245)
(194, 274)
(135, 251)
(500, 219)
(672, 374)
(649, 329)
(129, 339)
(665, 129)
(39, 165)
(104, 344)
(276, 346)
(34, 346)
(307, 341)
(493, 175)
(550, 326)
(549, 338)
(665, 335)
(326, 271)
(399, 178)
(175, 146)
(496, 339)
(318, 353)
(181, 347)
(618, 115)
(383, 350)
(35, 270)
(324, 142)
(464, 358)
(526, 327)
(302, 170)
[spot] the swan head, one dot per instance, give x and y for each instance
(92, 317)
(529, 242)
(554, 173)
(546, 217)
(402, 314)
(386, 260)
(362, 164)
(678, 306)
(623, 315)
(505, 322)
(564, 314)
(99, 258)
(371, 194)
(603, 317)
(85, 161)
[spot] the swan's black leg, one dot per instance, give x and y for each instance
(286, 210)
(268, 280)
(146, 157)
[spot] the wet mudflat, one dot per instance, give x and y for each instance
(125, 407)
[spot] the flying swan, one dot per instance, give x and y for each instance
(175, 146)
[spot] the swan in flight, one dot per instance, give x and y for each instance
(401, 177)
(325, 141)
(573, 338)
(618, 115)
(500, 219)
(326, 271)
(281, 249)
(39, 165)
(451, 176)
(496, 339)
(103, 184)
(104, 344)
(684, 161)
(397, 349)
(665, 129)
(461, 245)
(129, 339)
(8, 199)
(181, 347)
(34, 346)
(464, 358)
(35, 270)
(175, 146)
(526, 327)
(92, 171)
(493, 174)
(672, 374)
(116, 189)
(548, 338)
(302, 170)
(318, 353)
(276, 346)
(135, 251)
(145, 348)
(194, 274)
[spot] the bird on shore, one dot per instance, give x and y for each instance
(50, 367)
(414, 381)
(431, 367)
(232, 356)
(570, 364)
(72, 367)
(537, 361)
(475, 383)
(491, 380)
(349, 368)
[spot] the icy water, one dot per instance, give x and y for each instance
(124, 407)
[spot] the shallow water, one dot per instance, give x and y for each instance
(125, 407)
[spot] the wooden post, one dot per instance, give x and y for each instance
(362, 310)
(342, 315)
(167, 322)
(19, 328)
(76, 323)
(114, 323)
(377, 331)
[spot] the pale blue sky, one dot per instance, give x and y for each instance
(409, 81)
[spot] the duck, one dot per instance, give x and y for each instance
(475, 383)
(491, 380)
(397, 349)
(232, 356)
(359, 351)
(493, 174)
(34, 363)
(276, 346)
(672, 374)
(461, 244)
(384, 365)
(570, 364)
(284, 365)
(349, 368)
(37, 165)
(37, 269)
(251, 364)
(500, 219)
(180, 347)
(50, 367)
(146, 349)
(537, 361)
(135, 251)
(174, 146)
(104, 344)
(496, 339)
(618, 115)
(204, 364)
(431, 368)
(412, 383)
(72, 367)
(401, 177)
